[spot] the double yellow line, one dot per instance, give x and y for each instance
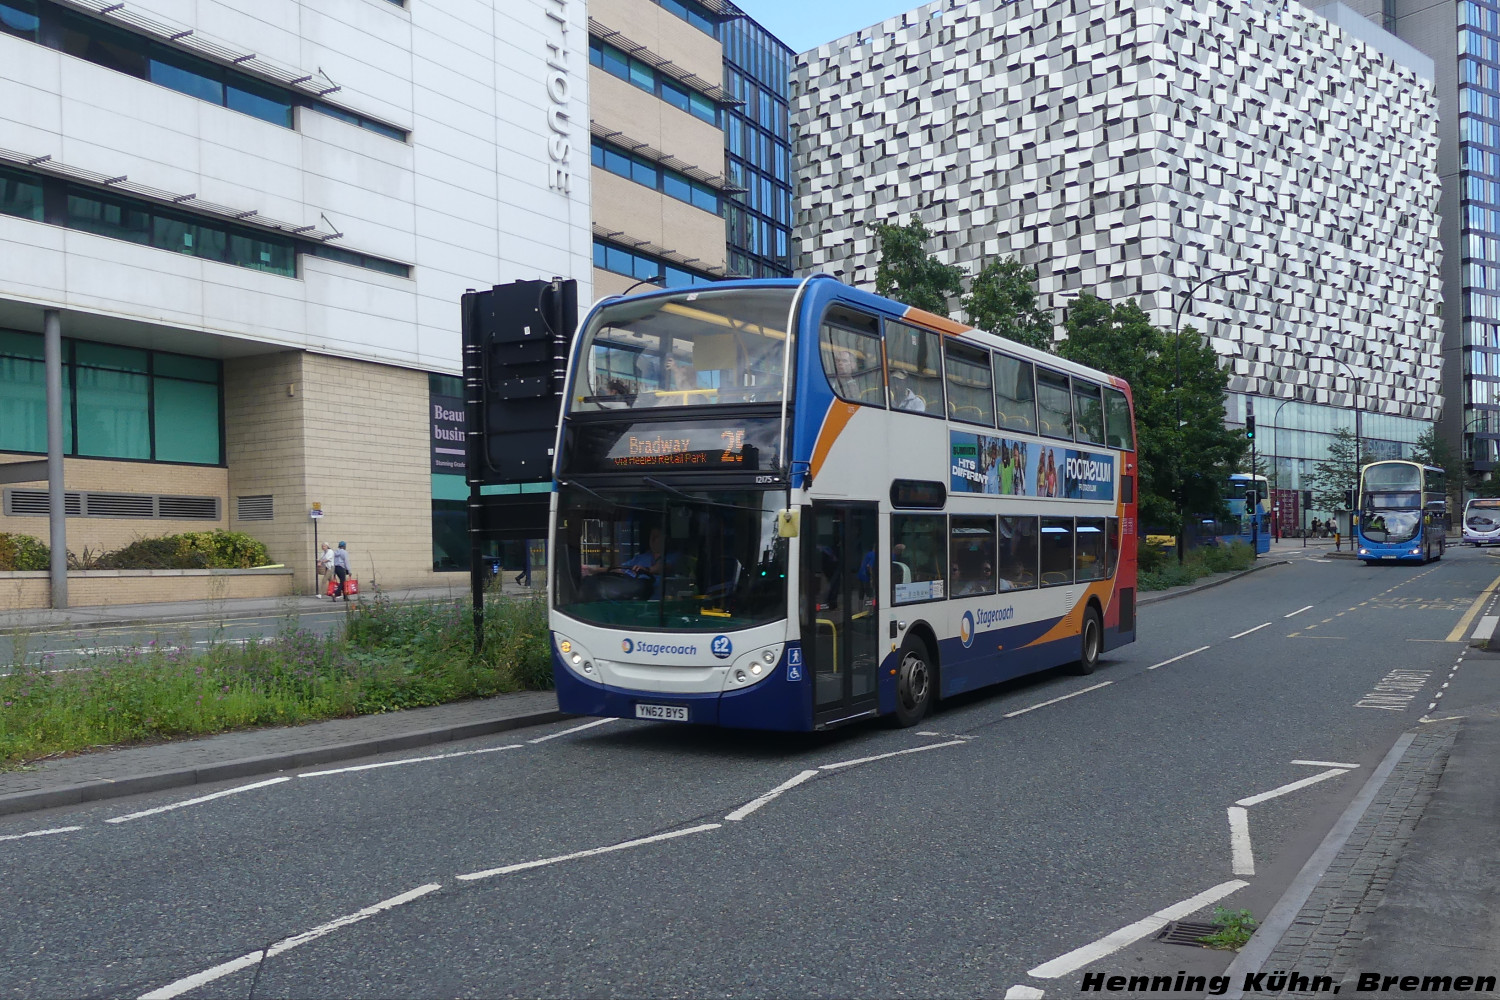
(1459, 630)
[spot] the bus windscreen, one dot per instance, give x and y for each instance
(698, 348)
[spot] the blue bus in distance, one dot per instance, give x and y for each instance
(1249, 499)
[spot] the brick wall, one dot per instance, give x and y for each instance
(101, 534)
(349, 435)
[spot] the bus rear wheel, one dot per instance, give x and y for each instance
(1090, 642)
(915, 682)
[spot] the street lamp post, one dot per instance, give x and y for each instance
(1177, 394)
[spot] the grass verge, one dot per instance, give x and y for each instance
(387, 657)
(1159, 570)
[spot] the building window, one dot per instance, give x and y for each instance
(643, 171)
(134, 220)
(119, 402)
(645, 267)
(115, 48)
(617, 63)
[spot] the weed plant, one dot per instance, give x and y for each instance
(1159, 570)
(1234, 929)
(389, 656)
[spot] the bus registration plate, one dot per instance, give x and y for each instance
(662, 713)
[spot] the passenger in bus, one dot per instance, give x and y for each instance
(969, 578)
(844, 381)
(903, 397)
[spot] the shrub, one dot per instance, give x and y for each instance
(23, 553)
(189, 550)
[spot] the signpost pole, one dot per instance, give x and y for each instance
(473, 459)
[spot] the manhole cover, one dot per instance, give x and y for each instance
(1186, 932)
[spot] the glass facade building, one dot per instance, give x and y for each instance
(1479, 165)
(757, 148)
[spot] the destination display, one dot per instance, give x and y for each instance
(997, 466)
(707, 445)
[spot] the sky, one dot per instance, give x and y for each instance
(806, 24)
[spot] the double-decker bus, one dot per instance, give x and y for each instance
(1402, 512)
(791, 505)
(1482, 522)
(1253, 518)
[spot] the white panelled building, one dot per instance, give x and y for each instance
(1135, 150)
(254, 222)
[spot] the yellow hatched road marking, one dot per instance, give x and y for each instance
(1457, 635)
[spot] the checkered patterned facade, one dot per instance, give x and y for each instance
(1133, 150)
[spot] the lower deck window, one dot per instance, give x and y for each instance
(919, 557)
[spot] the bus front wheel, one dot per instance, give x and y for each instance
(1091, 642)
(915, 681)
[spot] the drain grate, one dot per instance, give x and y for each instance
(1186, 932)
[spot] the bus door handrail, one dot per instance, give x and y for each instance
(782, 459)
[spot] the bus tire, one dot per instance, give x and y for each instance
(1090, 642)
(916, 681)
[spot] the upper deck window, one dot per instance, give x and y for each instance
(915, 358)
(971, 397)
(849, 343)
(1119, 431)
(1055, 408)
(699, 348)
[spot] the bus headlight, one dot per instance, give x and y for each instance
(1364, 552)
(754, 666)
(574, 655)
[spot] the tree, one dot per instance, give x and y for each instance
(907, 272)
(1002, 300)
(1198, 453)
(1338, 473)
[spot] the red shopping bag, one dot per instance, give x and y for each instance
(351, 586)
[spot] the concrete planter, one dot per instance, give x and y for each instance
(87, 588)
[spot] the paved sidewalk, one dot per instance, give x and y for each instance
(40, 619)
(1414, 887)
(113, 773)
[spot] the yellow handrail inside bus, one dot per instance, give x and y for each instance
(835, 630)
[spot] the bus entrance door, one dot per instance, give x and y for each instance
(840, 608)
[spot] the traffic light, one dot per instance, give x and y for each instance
(1250, 426)
(1349, 499)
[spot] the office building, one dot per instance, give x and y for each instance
(253, 223)
(1136, 150)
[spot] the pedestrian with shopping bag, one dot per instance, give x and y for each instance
(325, 571)
(341, 570)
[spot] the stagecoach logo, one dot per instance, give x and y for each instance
(627, 645)
(659, 648)
(966, 629)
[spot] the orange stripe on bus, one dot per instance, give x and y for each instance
(936, 322)
(839, 415)
(1067, 626)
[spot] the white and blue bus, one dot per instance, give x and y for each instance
(791, 505)
(1249, 500)
(1402, 512)
(1482, 522)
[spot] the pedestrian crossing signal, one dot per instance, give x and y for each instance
(1250, 426)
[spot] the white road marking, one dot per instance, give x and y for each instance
(1325, 763)
(285, 944)
(575, 729)
(1024, 993)
(1242, 857)
(193, 802)
(883, 756)
(1249, 630)
(1174, 659)
(1129, 934)
(1298, 611)
(754, 804)
(1255, 800)
(41, 833)
(409, 760)
(1486, 627)
(1054, 701)
(507, 869)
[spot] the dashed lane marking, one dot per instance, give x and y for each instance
(41, 833)
(200, 799)
(1298, 611)
(192, 982)
(575, 729)
(756, 803)
(898, 753)
(1249, 630)
(1181, 656)
(1075, 694)
(592, 852)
